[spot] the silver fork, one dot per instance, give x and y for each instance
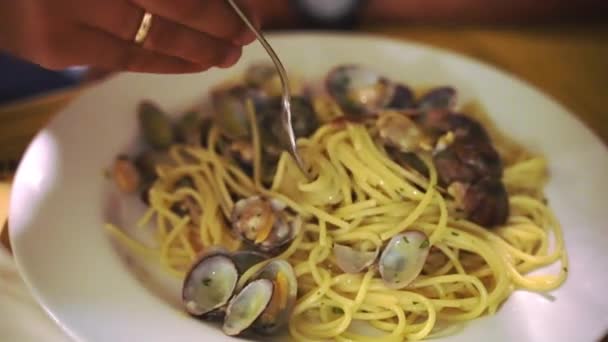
(292, 149)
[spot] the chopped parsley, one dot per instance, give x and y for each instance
(404, 238)
(207, 281)
(455, 233)
(565, 269)
(337, 311)
(425, 244)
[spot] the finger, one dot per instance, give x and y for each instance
(93, 47)
(173, 39)
(215, 17)
(119, 17)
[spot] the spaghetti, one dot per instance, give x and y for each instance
(360, 196)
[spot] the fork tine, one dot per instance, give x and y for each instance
(286, 112)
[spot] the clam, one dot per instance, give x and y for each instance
(435, 121)
(282, 303)
(359, 90)
(438, 98)
(403, 98)
(192, 129)
(184, 182)
(401, 132)
(242, 151)
(263, 223)
(258, 75)
(265, 78)
(148, 161)
(304, 120)
(205, 128)
(408, 160)
(230, 108)
(403, 258)
(245, 308)
(209, 284)
(441, 121)
(188, 207)
(126, 175)
(351, 260)
(156, 125)
(244, 260)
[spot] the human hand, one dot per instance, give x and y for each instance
(185, 35)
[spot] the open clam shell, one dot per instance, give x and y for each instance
(245, 308)
(209, 284)
(403, 258)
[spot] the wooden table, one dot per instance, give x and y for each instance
(568, 63)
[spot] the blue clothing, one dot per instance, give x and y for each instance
(20, 79)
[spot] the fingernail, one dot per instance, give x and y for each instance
(231, 58)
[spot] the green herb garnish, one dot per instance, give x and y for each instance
(337, 311)
(425, 244)
(405, 239)
(455, 233)
(206, 281)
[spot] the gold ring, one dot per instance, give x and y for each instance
(144, 28)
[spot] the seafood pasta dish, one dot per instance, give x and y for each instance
(418, 214)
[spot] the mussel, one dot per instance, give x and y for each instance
(403, 258)
(263, 223)
(209, 284)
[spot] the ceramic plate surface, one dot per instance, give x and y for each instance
(60, 197)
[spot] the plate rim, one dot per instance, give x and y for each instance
(566, 113)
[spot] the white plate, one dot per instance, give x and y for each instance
(60, 197)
